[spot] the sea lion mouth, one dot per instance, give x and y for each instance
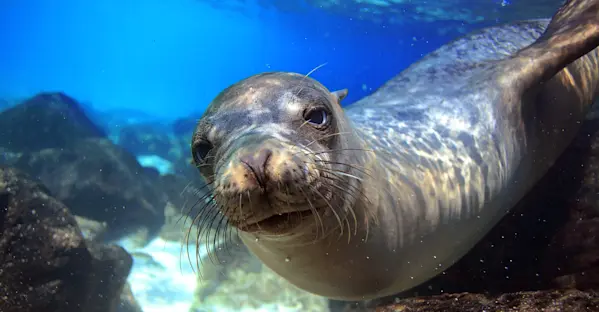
(278, 223)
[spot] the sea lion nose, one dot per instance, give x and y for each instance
(257, 162)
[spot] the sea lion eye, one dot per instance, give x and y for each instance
(318, 117)
(201, 150)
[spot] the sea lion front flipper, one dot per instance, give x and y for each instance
(572, 33)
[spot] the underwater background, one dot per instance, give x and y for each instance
(133, 76)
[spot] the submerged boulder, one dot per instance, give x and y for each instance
(533, 301)
(50, 138)
(45, 263)
(128, 302)
(101, 181)
(47, 120)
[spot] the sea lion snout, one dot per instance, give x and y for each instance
(256, 161)
(262, 178)
(265, 166)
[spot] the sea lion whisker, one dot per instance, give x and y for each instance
(205, 161)
(185, 214)
(185, 241)
(231, 228)
(333, 210)
(315, 213)
(185, 211)
(361, 169)
(289, 205)
(204, 224)
(346, 220)
(286, 197)
(343, 150)
(188, 185)
(201, 191)
(215, 238)
(333, 175)
(336, 151)
(210, 206)
(326, 136)
(194, 189)
(303, 124)
(307, 75)
(198, 259)
(224, 243)
(341, 173)
(315, 69)
(251, 208)
(216, 241)
(349, 193)
(199, 216)
(349, 190)
(187, 236)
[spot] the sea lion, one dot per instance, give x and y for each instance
(379, 197)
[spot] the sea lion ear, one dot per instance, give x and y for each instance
(340, 94)
(572, 33)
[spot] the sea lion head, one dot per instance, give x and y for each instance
(271, 147)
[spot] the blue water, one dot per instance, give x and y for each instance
(170, 58)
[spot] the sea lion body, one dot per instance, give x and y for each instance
(446, 149)
(458, 159)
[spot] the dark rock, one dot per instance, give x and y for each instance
(45, 263)
(572, 258)
(48, 120)
(128, 302)
(100, 181)
(535, 301)
(90, 229)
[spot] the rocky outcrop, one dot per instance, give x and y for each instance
(534, 301)
(100, 181)
(47, 120)
(50, 138)
(45, 263)
(128, 302)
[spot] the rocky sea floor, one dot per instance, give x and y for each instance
(162, 280)
(157, 280)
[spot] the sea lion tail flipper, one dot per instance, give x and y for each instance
(572, 33)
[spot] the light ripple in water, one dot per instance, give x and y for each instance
(162, 282)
